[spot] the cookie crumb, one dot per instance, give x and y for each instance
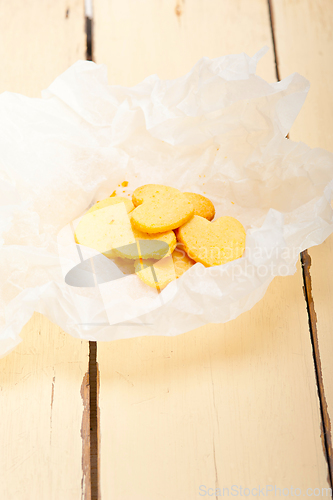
(113, 194)
(124, 184)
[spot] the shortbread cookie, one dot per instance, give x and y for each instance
(125, 265)
(148, 191)
(105, 229)
(166, 270)
(160, 208)
(212, 243)
(112, 201)
(157, 274)
(181, 260)
(148, 247)
(202, 205)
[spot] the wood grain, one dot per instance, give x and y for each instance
(304, 43)
(224, 405)
(39, 39)
(41, 408)
(139, 38)
(41, 412)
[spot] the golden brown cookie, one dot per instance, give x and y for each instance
(105, 229)
(112, 201)
(181, 260)
(202, 205)
(157, 274)
(212, 243)
(159, 208)
(147, 248)
(148, 190)
(125, 265)
(166, 270)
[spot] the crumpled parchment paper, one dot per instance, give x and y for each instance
(220, 130)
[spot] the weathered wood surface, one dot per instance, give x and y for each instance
(224, 405)
(304, 43)
(167, 37)
(41, 407)
(41, 413)
(38, 41)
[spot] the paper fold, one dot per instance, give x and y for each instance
(220, 130)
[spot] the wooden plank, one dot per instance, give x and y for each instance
(304, 43)
(137, 39)
(303, 35)
(41, 413)
(224, 405)
(41, 406)
(38, 41)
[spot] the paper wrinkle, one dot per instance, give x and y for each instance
(220, 130)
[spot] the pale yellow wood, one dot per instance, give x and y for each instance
(39, 39)
(41, 415)
(224, 405)
(41, 408)
(139, 38)
(304, 43)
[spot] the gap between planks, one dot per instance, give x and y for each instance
(90, 429)
(326, 423)
(94, 421)
(91, 442)
(312, 317)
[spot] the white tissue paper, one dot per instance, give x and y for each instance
(220, 130)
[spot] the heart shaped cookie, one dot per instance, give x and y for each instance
(166, 270)
(105, 229)
(202, 205)
(212, 243)
(181, 260)
(159, 208)
(146, 245)
(157, 274)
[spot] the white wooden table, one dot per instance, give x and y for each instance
(242, 404)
